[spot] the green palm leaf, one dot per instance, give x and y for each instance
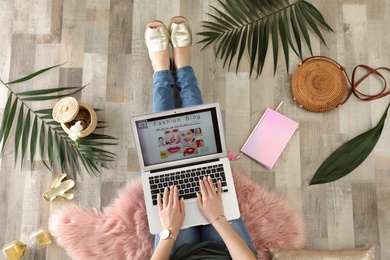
(37, 130)
(33, 139)
(246, 24)
(8, 125)
(350, 155)
(25, 134)
(18, 131)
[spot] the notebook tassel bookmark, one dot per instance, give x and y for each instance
(232, 156)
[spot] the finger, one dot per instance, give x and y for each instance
(219, 188)
(165, 198)
(203, 187)
(170, 195)
(159, 204)
(175, 196)
(200, 202)
(182, 207)
(211, 185)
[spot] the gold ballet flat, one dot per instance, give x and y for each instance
(180, 30)
(156, 36)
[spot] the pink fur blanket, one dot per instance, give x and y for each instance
(120, 231)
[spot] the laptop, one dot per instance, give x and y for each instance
(177, 147)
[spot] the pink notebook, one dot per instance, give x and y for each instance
(269, 137)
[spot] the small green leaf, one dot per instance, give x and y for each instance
(56, 150)
(42, 98)
(253, 48)
(267, 4)
(221, 44)
(284, 40)
(275, 42)
(246, 15)
(233, 12)
(99, 136)
(288, 33)
(264, 37)
(33, 140)
(316, 14)
(350, 155)
(26, 133)
(259, 7)
(242, 47)
(296, 31)
(45, 91)
(34, 74)
(228, 19)
(272, 3)
(9, 123)
(62, 148)
(47, 117)
(18, 131)
(42, 141)
(93, 143)
(225, 46)
(312, 24)
(214, 27)
(234, 45)
(251, 8)
(303, 28)
(228, 22)
(50, 147)
(44, 111)
(7, 109)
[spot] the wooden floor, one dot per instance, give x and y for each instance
(102, 43)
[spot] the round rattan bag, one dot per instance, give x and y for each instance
(319, 84)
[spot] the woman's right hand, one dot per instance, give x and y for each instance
(209, 200)
(171, 210)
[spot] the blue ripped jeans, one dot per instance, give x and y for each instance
(195, 235)
(190, 95)
(186, 82)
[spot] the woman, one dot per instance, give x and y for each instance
(198, 132)
(231, 235)
(188, 136)
(172, 135)
(161, 141)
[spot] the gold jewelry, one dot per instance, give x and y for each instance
(218, 218)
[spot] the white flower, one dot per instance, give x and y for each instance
(77, 127)
(75, 130)
(73, 136)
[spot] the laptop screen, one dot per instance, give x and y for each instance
(179, 136)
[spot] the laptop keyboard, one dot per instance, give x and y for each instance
(187, 181)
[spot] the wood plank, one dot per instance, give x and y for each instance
(383, 193)
(102, 43)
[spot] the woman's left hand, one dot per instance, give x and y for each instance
(171, 210)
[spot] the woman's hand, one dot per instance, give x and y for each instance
(171, 210)
(210, 201)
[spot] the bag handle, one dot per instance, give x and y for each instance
(354, 83)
